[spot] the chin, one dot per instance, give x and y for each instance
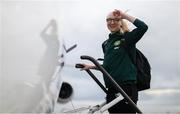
(113, 31)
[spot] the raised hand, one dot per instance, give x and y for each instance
(118, 14)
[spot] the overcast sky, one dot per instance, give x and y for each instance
(83, 22)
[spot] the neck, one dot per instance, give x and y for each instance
(112, 32)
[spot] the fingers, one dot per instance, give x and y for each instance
(117, 13)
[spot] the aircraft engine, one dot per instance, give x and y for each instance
(66, 93)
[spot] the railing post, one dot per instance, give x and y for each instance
(96, 80)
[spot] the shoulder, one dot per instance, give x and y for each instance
(105, 42)
(104, 45)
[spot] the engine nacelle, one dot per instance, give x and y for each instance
(66, 93)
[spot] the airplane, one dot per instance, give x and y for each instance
(45, 91)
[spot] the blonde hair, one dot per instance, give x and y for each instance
(123, 27)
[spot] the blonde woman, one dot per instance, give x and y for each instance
(117, 61)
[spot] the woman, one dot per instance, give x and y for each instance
(116, 58)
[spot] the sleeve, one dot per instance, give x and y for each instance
(103, 46)
(136, 34)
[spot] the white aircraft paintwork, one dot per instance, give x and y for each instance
(32, 57)
(37, 93)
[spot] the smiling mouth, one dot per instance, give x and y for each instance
(113, 26)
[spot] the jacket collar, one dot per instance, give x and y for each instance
(116, 34)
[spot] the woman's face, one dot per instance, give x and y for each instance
(113, 24)
(113, 20)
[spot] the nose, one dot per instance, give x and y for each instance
(111, 22)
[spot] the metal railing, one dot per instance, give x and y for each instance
(105, 73)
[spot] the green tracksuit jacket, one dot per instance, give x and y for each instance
(116, 59)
